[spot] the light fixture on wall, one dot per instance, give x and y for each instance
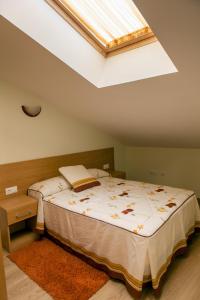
(31, 111)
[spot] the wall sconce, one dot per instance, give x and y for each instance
(31, 111)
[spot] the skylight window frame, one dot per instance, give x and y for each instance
(130, 41)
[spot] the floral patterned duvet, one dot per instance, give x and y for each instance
(133, 228)
(135, 206)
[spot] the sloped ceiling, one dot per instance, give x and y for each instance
(161, 111)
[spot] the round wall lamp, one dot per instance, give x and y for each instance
(31, 111)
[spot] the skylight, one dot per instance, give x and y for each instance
(109, 25)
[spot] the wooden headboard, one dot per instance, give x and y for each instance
(25, 173)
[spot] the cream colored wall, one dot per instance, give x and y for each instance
(55, 133)
(51, 133)
(171, 166)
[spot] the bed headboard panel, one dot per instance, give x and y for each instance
(25, 173)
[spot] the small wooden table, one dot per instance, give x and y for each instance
(118, 174)
(13, 211)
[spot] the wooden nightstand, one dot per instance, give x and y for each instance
(17, 218)
(118, 174)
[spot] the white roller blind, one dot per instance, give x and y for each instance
(107, 20)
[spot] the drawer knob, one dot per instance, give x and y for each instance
(26, 214)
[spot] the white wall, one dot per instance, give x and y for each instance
(51, 133)
(177, 167)
(140, 63)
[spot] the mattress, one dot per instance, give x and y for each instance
(132, 227)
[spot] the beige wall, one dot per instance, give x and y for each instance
(51, 133)
(171, 166)
(55, 133)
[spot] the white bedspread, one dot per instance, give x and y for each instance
(132, 227)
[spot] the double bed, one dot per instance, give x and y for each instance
(131, 228)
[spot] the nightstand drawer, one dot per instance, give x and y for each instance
(17, 215)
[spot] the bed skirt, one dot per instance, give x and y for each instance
(116, 273)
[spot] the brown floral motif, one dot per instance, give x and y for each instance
(115, 216)
(126, 211)
(130, 204)
(140, 226)
(86, 211)
(161, 209)
(84, 199)
(123, 194)
(151, 193)
(71, 202)
(159, 190)
(171, 204)
(171, 199)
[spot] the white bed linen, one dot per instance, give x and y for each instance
(132, 227)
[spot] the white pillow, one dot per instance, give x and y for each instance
(98, 173)
(50, 186)
(79, 177)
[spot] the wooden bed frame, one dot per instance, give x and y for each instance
(24, 173)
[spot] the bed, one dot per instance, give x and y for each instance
(132, 228)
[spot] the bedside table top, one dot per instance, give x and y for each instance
(118, 174)
(116, 171)
(17, 202)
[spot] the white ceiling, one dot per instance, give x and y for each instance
(161, 111)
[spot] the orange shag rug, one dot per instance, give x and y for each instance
(61, 274)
